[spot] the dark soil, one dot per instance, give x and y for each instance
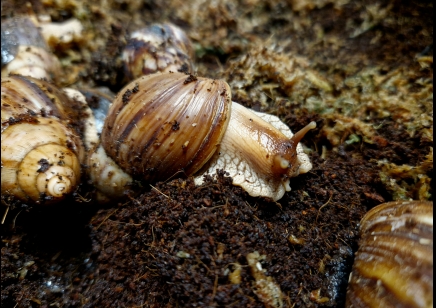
(128, 255)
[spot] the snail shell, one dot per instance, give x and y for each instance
(393, 266)
(157, 48)
(25, 52)
(164, 124)
(41, 147)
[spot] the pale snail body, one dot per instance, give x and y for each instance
(42, 152)
(164, 124)
(393, 266)
(258, 169)
(157, 48)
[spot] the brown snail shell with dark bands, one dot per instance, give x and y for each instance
(164, 126)
(393, 266)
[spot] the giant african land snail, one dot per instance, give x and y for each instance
(157, 48)
(166, 123)
(42, 126)
(25, 52)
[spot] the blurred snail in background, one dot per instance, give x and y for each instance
(166, 123)
(41, 144)
(393, 266)
(157, 48)
(25, 52)
(25, 46)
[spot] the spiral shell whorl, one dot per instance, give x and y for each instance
(39, 160)
(393, 266)
(41, 152)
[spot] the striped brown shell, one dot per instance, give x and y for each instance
(166, 123)
(393, 266)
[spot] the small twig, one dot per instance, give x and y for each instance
(201, 262)
(256, 218)
(125, 223)
(13, 222)
(106, 218)
(140, 277)
(331, 195)
(5, 214)
(344, 242)
(215, 286)
(160, 192)
(252, 207)
(146, 251)
(322, 206)
(211, 208)
(279, 206)
(171, 177)
(81, 198)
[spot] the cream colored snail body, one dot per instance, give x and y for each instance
(168, 123)
(41, 147)
(157, 48)
(393, 266)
